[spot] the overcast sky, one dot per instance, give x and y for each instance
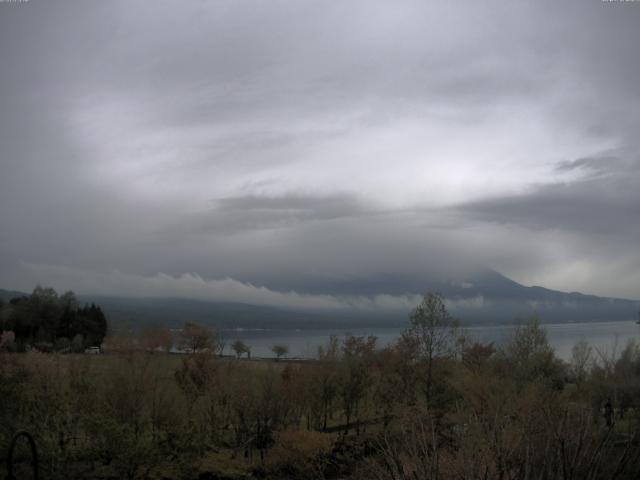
(234, 150)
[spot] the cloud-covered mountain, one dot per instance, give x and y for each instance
(486, 297)
(482, 297)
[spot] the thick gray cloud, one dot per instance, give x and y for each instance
(256, 212)
(605, 202)
(269, 142)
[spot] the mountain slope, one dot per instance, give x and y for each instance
(481, 297)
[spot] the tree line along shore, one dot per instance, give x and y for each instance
(432, 405)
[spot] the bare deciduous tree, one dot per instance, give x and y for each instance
(432, 333)
(196, 338)
(280, 351)
(241, 348)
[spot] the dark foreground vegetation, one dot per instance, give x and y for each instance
(433, 405)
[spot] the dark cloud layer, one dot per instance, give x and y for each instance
(606, 202)
(285, 144)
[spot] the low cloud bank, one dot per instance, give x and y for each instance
(193, 286)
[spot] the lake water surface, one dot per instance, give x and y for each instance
(606, 336)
